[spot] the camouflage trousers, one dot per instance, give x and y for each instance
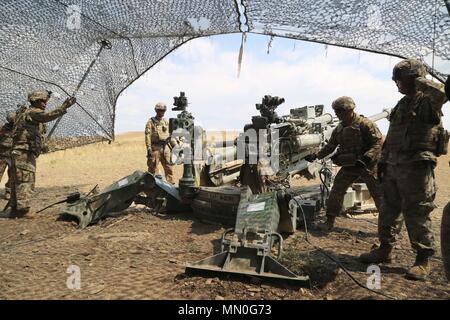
(25, 177)
(409, 189)
(344, 179)
(3, 166)
(157, 157)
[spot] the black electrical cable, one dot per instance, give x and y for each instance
(338, 262)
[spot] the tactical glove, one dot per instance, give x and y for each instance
(311, 157)
(69, 102)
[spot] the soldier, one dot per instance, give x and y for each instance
(156, 134)
(5, 148)
(28, 139)
(359, 141)
(414, 140)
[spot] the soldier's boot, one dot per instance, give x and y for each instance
(8, 213)
(25, 213)
(377, 255)
(328, 224)
(420, 269)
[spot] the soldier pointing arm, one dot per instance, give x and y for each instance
(28, 140)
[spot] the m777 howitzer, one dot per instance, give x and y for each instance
(275, 147)
(272, 209)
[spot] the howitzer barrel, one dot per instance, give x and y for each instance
(326, 118)
(220, 155)
(381, 115)
(309, 140)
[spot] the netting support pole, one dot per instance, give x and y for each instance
(103, 44)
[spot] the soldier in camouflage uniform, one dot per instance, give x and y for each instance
(156, 134)
(28, 141)
(359, 141)
(414, 140)
(5, 148)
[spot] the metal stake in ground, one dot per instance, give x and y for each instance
(103, 44)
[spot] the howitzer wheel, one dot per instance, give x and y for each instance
(445, 239)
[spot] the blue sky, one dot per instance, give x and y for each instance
(303, 73)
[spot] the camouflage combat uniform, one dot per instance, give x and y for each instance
(156, 134)
(6, 142)
(28, 141)
(409, 157)
(361, 139)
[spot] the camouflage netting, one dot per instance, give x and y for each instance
(49, 44)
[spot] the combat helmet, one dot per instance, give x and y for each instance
(39, 95)
(409, 68)
(344, 103)
(160, 106)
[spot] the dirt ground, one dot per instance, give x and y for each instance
(142, 256)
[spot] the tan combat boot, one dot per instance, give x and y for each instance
(377, 255)
(24, 213)
(420, 269)
(8, 213)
